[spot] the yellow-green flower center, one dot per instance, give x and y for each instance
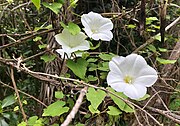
(128, 79)
(94, 31)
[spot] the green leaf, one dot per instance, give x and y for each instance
(55, 7)
(92, 110)
(3, 122)
(151, 48)
(95, 97)
(32, 120)
(121, 104)
(164, 61)
(42, 46)
(79, 68)
(8, 101)
(155, 26)
(104, 66)
(48, 58)
(6, 115)
(79, 124)
(92, 67)
(24, 102)
(131, 26)
(74, 29)
(16, 108)
(92, 47)
(85, 55)
(144, 97)
(64, 25)
(150, 30)
(174, 105)
(37, 3)
(128, 108)
(103, 75)
(55, 109)
(37, 38)
(22, 124)
(42, 27)
(106, 57)
(158, 37)
(149, 20)
(70, 102)
(92, 78)
(92, 60)
(73, 3)
(10, 1)
(162, 50)
(55, 125)
(59, 94)
(113, 111)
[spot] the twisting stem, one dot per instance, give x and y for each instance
(17, 94)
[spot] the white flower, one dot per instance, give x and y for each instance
(71, 43)
(97, 27)
(131, 75)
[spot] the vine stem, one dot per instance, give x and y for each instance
(17, 94)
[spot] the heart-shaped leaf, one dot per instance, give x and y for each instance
(113, 110)
(55, 109)
(55, 7)
(95, 97)
(92, 110)
(121, 104)
(79, 68)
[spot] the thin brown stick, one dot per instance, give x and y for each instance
(17, 93)
(75, 108)
(170, 115)
(26, 38)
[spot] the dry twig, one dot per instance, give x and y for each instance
(75, 108)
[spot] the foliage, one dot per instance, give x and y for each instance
(51, 88)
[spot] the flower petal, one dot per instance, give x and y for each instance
(116, 81)
(89, 20)
(132, 64)
(61, 38)
(105, 36)
(135, 91)
(83, 46)
(62, 53)
(97, 27)
(89, 32)
(106, 25)
(114, 64)
(147, 77)
(67, 39)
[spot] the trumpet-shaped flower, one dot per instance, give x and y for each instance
(71, 43)
(97, 27)
(131, 75)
